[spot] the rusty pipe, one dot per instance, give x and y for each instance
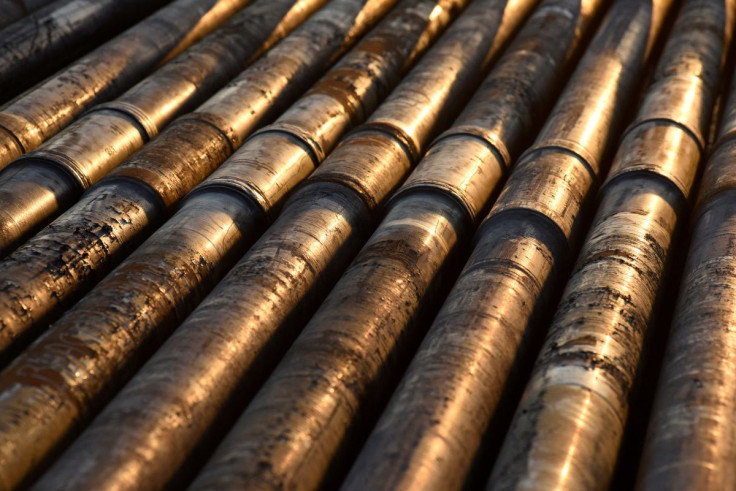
(111, 132)
(34, 47)
(568, 428)
(333, 377)
(467, 164)
(62, 262)
(691, 439)
(161, 282)
(433, 427)
(41, 112)
(13, 10)
(445, 72)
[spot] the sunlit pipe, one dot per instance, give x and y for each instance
(311, 406)
(111, 132)
(39, 113)
(64, 260)
(456, 389)
(568, 427)
(691, 440)
(158, 285)
(446, 73)
(12, 10)
(36, 46)
(467, 164)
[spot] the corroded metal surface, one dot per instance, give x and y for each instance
(158, 285)
(39, 113)
(569, 424)
(108, 135)
(318, 229)
(691, 441)
(35, 46)
(432, 429)
(65, 259)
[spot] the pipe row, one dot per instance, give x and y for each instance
(217, 355)
(100, 341)
(462, 171)
(301, 428)
(432, 431)
(12, 10)
(569, 425)
(41, 184)
(37, 45)
(691, 440)
(57, 266)
(41, 112)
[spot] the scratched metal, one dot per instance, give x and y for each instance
(691, 441)
(456, 376)
(108, 135)
(41, 112)
(38, 45)
(295, 253)
(64, 260)
(467, 164)
(568, 427)
(160, 286)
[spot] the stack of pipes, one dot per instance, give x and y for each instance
(319, 243)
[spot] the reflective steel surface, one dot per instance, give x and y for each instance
(317, 244)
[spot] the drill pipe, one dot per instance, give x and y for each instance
(44, 110)
(61, 263)
(326, 215)
(12, 10)
(110, 133)
(568, 427)
(312, 404)
(467, 164)
(153, 290)
(691, 440)
(34, 47)
(446, 400)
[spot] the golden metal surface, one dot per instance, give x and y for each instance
(87, 150)
(691, 440)
(466, 48)
(39, 113)
(158, 285)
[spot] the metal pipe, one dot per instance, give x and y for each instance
(57, 266)
(467, 164)
(12, 10)
(41, 112)
(446, 73)
(568, 427)
(316, 403)
(111, 132)
(333, 377)
(691, 440)
(153, 290)
(45, 41)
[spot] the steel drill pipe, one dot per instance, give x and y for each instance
(366, 166)
(37, 45)
(165, 278)
(568, 427)
(61, 263)
(41, 112)
(43, 183)
(467, 164)
(310, 407)
(433, 427)
(691, 440)
(13, 10)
